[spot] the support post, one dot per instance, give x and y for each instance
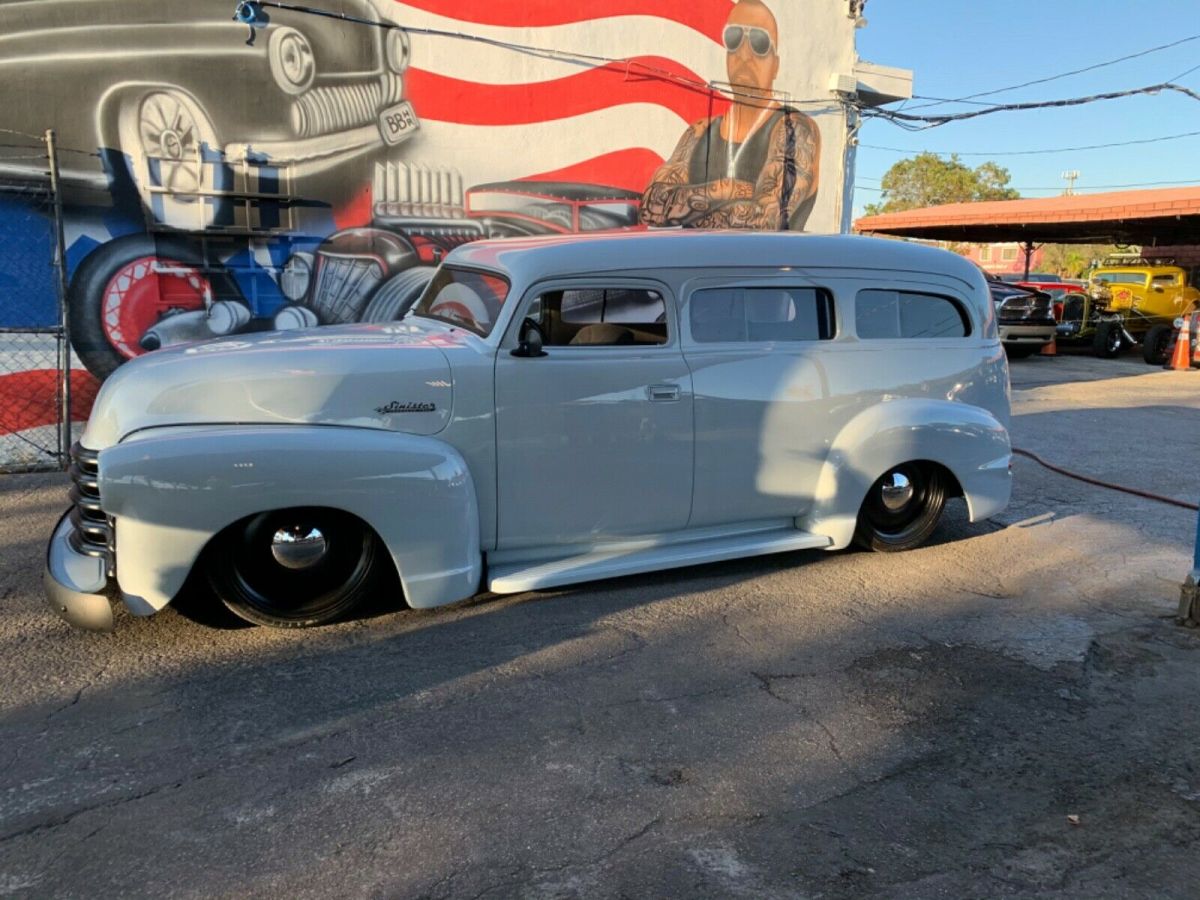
(1028, 256)
(1189, 594)
(64, 322)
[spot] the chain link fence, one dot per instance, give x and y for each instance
(35, 362)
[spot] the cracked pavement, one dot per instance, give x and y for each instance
(1010, 711)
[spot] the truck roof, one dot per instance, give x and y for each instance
(531, 258)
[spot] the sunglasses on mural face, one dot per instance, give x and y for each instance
(760, 39)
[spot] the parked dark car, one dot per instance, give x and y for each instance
(1025, 317)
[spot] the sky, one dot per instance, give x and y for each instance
(960, 47)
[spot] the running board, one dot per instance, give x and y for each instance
(514, 578)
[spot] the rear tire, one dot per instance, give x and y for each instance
(1157, 344)
(1107, 342)
(246, 572)
(902, 508)
(397, 295)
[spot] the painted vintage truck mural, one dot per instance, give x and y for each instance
(219, 176)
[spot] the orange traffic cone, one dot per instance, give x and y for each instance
(1182, 357)
(1050, 349)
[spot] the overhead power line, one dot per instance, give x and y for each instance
(920, 123)
(1049, 78)
(1078, 190)
(1154, 140)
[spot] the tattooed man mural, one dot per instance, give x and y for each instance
(755, 166)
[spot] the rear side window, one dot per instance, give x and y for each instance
(908, 314)
(761, 314)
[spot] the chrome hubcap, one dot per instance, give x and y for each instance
(298, 547)
(896, 492)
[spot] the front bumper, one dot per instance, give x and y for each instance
(76, 584)
(1027, 333)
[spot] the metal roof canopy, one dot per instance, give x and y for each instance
(1163, 216)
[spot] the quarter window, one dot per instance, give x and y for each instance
(761, 314)
(908, 314)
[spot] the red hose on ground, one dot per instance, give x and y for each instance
(1182, 504)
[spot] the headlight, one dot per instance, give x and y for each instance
(395, 49)
(296, 274)
(292, 64)
(1178, 323)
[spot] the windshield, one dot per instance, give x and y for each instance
(464, 297)
(1120, 277)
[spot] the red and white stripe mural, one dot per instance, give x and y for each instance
(305, 171)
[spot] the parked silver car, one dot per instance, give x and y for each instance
(553, 410)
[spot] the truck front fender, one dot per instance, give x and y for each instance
(172, 489)
(967, 440)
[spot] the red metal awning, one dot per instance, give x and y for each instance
(1161, 216)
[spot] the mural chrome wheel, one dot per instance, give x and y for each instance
(173, 153)
(901, 509)
(294, 568)
(116, 294)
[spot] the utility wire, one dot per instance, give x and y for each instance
(751, 98)
(1154, 140)
(1059, 187)
(1049, 78)
(920, 123)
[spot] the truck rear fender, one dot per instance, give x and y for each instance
(967, 440)
(172, 489)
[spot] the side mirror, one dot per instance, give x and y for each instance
(529, 340)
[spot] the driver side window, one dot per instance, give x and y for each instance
(601, 317)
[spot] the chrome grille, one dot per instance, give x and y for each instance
(340, 107)
(1072, 308)
(343, 286)
(93, 534)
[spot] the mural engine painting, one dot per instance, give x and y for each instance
(302, 170)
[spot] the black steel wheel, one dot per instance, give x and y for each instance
(294, 568)
(1107, 342)
(1157, 344)
(902, 508)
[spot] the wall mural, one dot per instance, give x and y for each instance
(220, 177)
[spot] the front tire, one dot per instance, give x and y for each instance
(1019, 351)
(1107, 342)
(1156, 345)
(294, 568)
(901, 509)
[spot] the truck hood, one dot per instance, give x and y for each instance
(393, 376)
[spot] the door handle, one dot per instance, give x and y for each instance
(664, 392)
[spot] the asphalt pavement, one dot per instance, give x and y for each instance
(1009, 711)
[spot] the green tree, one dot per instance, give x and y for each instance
(1072, 260)
(928, 180)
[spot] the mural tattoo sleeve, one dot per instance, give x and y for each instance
(733, 202)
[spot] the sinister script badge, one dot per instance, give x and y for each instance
(397, 407)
